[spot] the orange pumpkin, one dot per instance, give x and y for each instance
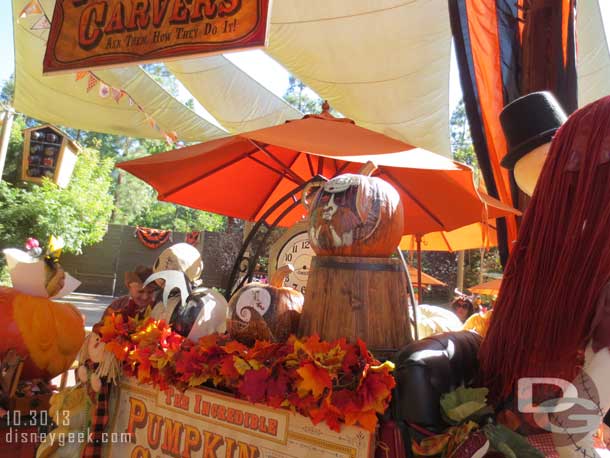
(355, 215)
(48, 334)
(265, 312)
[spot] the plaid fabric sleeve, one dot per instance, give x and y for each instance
(99, 421)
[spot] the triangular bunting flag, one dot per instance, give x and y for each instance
(104, 90)
(33, 7)
(41, 24)
(116, 94)
(131, 102)
(91, 82)
(151, 122)
(81, 75)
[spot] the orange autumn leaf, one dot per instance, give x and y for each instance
(234, 347)
(314, 380)
(366, 419)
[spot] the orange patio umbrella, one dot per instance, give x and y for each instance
(489, 288)
(476, 235)
(245, 175)
(426, 280)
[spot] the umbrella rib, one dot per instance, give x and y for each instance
(204, 175)
(286, 169)
(275, 185)
(406, 191)
(343, 167)
(310, 164)
(446, 241)
(273, 169)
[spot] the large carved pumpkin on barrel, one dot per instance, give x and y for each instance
(355, 215)
(47, 334)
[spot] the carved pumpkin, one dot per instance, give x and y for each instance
(48, 334)
(355, 215)
(266, 312)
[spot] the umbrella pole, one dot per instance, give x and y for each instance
(420, 293)
(411, 293)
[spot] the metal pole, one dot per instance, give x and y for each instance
(411, 293)
(420, 293)
(5, 135)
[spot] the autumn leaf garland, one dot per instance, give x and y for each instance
(332, 382)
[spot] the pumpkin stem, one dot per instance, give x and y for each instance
(368, 169)
(277, 279)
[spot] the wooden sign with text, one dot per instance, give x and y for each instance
(86, 34)
(203, 423)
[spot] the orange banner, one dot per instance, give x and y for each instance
(86, 34)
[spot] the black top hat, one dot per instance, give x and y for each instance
(528, 122)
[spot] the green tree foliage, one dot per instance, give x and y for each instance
(300, 98)
(79, 213)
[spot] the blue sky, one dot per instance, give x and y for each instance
(256, 63)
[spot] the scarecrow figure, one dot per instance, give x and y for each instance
(552, 317)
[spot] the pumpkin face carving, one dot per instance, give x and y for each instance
(265, 312)
(355, 215)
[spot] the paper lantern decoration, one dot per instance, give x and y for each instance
(261, 311)
(355, 215)
(47, 333)
(48, 152)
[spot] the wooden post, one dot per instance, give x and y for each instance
(460, 271)
(5, 135)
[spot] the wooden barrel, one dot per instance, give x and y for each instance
(356, 297)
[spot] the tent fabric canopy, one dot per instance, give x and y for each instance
(244, 175)
(235, 100)
(384, 64)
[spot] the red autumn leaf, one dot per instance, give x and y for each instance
(254, 384)
(375, 392)
(277, 387)
(227, 369)
(314, 380)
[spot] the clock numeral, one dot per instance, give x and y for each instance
(295, 248)
(303, 290)
(288, 257)
(305, 244)
(295, 286)
(286, 279)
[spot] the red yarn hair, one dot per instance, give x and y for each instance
(546, 306)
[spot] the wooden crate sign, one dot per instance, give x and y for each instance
(86, 34)
(204, 423)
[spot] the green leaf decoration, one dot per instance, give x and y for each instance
(460, 404)
(509, 443)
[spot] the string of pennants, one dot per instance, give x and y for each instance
(33, 7)
(106, 90)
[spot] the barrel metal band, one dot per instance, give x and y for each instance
(320, 261)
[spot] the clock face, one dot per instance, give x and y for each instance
(298, 252)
